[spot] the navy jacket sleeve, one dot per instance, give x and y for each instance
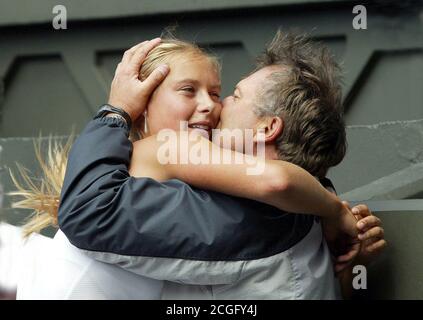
(102, 208)
(124, 220)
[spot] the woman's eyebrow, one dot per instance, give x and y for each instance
(196, 82)
(191, 81)
(216, 86)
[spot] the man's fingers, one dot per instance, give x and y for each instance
(376, 232)
(134, 57)
(368, 222)
(345, 258)
(140, 53)
(350, 255)
(127, 55)
(155, 78)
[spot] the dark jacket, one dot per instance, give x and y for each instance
(156, 229)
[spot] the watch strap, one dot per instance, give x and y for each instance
(107, 108)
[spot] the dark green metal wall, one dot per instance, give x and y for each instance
(53, 80)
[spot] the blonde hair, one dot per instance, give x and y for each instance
(43, 198)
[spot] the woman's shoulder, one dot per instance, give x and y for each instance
(144, 161)
(144, 149)
(145, 142)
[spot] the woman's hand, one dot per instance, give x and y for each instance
(371, 234)
(372, 240)
(341, 236)
(127, 90)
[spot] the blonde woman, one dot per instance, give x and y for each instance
(189, 93)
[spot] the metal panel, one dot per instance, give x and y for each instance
(51, 79)
(41, 96)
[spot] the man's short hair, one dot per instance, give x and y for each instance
(306, 94)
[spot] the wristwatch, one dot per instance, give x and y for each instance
(107, 108)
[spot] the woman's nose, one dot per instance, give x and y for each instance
(205, 108)
(206, 105)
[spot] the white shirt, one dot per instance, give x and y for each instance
(303, 271)
(10, 248)
(55, 269)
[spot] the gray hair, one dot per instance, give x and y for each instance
(306, 94)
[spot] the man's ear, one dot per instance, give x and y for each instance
(272, 127)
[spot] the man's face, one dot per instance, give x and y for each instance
(238, 108)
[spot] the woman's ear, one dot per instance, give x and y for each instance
(272, 127)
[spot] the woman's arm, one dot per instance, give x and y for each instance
(281, 184)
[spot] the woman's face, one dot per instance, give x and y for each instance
(190, 92)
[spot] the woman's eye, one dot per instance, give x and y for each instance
(188, 89)
(215, 94)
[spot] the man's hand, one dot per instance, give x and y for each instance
(341, 235)
(127, 90)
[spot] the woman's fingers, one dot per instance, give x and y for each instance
(377, 246)
(375, 232)
(367, 223)
(361, 210)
